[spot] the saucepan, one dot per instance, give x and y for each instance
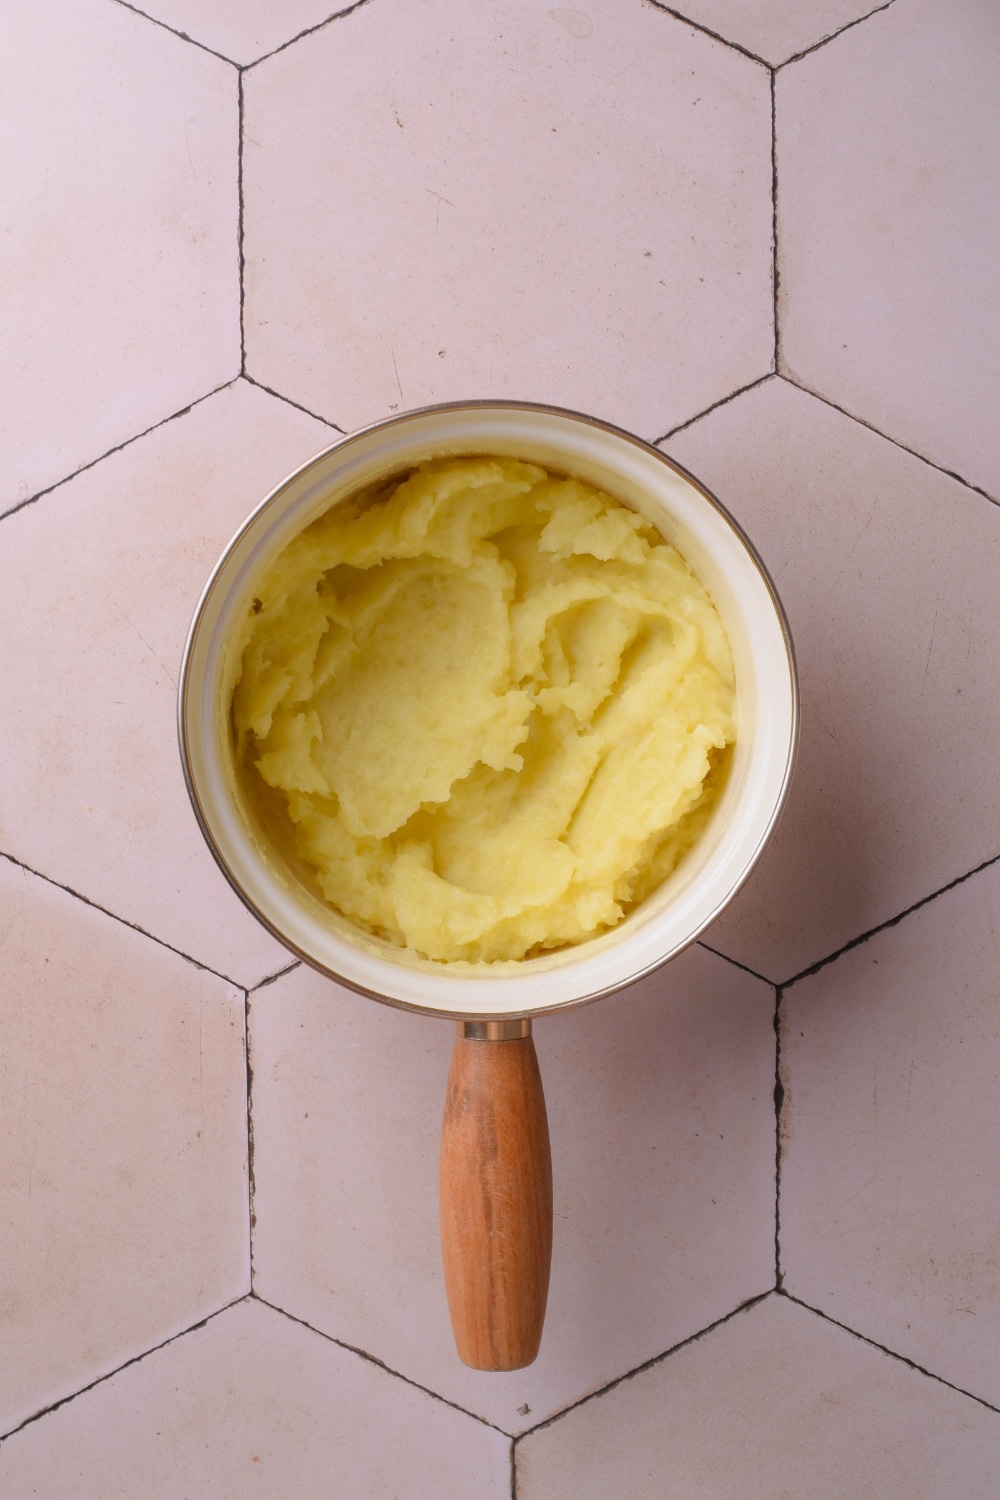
(496, 1182)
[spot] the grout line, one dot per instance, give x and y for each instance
(251, 1182)
(775, 278)
(241, 108)
(273, 978)
(373, 1359)
(647, 1365)
(853, 417)
(338, 15)
(297, 404)
(175, 31)
(706, 31)
(118, 446)
(690, 421)
(779, 1100)
(96, 905)
(911, 1363)
(513, 1468)
(204, 47)
(823, 40)
(63, 1400)
(736, 963)
(890, 922)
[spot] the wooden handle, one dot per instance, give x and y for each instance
(496, 1199)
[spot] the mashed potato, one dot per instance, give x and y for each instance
(490, 699)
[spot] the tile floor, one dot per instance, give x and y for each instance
(759, 232)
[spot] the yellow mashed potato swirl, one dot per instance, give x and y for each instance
(489, 698)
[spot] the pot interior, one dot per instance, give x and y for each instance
(280, 892)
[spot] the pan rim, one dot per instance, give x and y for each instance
(585, 995)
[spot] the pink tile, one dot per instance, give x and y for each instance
(119, 293)
(775, 29)
(102, 578)
(122, 1145)
(254, 1404)
(891, 1184)
(889, 217)
(662, 1121)
(448, 201)
(243, 30)
(776, 1403)
(888, 570)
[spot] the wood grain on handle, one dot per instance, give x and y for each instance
(496, 1202)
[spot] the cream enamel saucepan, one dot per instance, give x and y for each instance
(496, 1182)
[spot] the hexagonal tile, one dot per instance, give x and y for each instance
(775, 30)
(888, 217)
(243, 30)
(254, 1404)
(123, 1165)
(774, 1403)
(448, 201)
(119, 294)
(102, 578)
(891, 1183)
(662, 1122)
(888, 569)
